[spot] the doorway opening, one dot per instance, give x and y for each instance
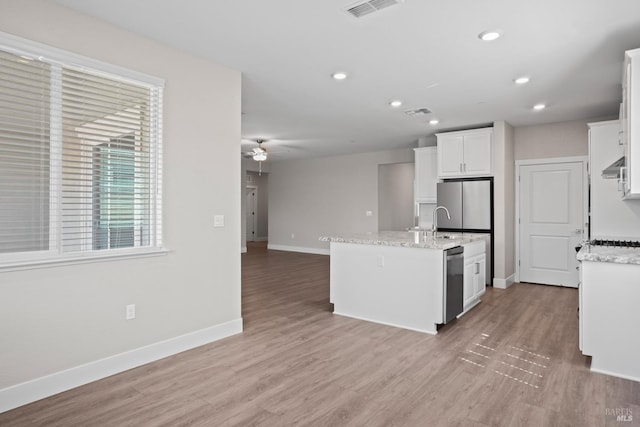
(256, 209)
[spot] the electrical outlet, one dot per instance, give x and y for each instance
(131, 311)
(369, 213)
(380, 261)
(218, 221)
(293, 236)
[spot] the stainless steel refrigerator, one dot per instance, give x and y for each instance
(470, 204)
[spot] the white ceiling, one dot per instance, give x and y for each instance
(423, 52)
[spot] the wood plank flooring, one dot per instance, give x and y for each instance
(512, 361)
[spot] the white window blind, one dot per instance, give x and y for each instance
(80, 160)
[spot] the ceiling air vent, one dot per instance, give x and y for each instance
(361, 9)
(418, 112)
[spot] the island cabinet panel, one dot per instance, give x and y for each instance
(465, 153)
(468, 290)
(396, 286)
(474, 274)
(426, 174)
(480, 281)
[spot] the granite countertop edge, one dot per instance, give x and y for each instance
(614, 255)
(403, 239)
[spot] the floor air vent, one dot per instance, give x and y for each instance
(361, 9)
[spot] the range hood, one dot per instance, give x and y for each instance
(613, 170)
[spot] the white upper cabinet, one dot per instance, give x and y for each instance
(426, 174)
(630, 123)
(465, 153)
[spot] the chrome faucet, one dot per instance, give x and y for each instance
(434, 226)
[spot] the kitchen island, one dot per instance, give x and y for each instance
(393, 278)
(609, 314)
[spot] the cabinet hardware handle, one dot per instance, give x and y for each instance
(460, 167)
(622, 182)
(477, 264)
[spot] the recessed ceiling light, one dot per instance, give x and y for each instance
(340, 75)
(539, 107)
(489, 35)
(522, 80)
(434, 121)
(395, 103)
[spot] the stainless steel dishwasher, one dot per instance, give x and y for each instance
(453, 282)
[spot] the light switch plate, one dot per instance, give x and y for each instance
(131, 312)
(218, 221)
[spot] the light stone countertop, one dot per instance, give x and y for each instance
(407, 239)
(612, 254)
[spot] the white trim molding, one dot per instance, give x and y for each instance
(317, 251)
(39, 388)
(504, 283)
(553, 160)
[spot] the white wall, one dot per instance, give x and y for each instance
(564, 139)
(396, 209)
(504, 204)
(52, 319)
(326, 196)
(611, 217)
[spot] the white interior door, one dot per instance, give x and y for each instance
(251, 214)
(551, 208)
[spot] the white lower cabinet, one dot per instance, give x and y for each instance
(480, 275)
(475, 261)
(609, 318)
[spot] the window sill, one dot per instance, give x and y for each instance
(114, 255)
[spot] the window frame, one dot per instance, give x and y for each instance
(54, 255)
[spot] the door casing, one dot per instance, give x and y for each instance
(555, 160)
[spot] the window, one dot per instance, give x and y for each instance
(80, 157)
(114, 206)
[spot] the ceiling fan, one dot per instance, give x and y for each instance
(259, 153)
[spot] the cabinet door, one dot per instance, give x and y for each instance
(633, 125)
(480, 267)
(450, 149)
(477, 154)
(426, 174)
(468, 294)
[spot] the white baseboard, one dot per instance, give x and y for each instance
(433, 331)
(288, 248)
(261, 239)
(503, 283)
(614, 374)
(39, 388)
(243, 250)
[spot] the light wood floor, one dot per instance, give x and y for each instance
(512, 361)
